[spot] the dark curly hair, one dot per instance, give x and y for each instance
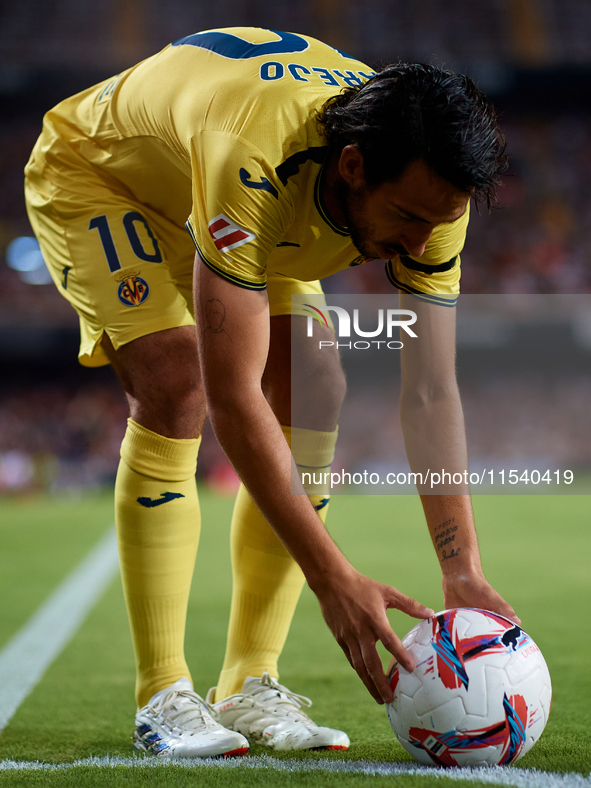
(412, 111)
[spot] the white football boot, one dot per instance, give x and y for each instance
(179, 723)
(268, 713)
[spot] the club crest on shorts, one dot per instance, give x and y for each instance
(133, 290)
(228, 235)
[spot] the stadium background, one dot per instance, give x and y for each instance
(60, 425)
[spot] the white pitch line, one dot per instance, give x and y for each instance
(26, 657)
(511, 777)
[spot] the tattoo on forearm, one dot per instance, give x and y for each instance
(445, 524)
(445, 534)
(215, 316)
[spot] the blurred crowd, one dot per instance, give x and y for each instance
(512, 421)
(66, 34)
(539, 241)
(538, 238)
(58, 439)
(55, 437)
(64, 438)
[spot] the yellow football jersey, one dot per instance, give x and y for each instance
(220, 131)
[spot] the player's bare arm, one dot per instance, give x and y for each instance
(433, 426)
(233, 362)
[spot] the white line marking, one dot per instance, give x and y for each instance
(26, 657)
(495, 775)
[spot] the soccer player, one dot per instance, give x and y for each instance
(287, 161)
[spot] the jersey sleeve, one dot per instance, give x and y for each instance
(240, 209)
(435, 276)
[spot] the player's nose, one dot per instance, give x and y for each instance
(415, 240)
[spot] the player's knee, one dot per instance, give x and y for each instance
(174, 408)
(160, 375)
(331, 384)
(175, 401)
(318, 394)
(173, 395)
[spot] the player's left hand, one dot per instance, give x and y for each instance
(473, 590)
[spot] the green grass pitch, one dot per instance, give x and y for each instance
(536, 551)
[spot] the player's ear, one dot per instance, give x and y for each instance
(351, 166)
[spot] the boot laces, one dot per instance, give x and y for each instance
(182, 709)
(279, 699)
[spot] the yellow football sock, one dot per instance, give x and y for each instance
(267, 582)
(158, 524)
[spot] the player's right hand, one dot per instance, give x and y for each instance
(354, 607)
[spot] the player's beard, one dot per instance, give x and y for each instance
(352, 203)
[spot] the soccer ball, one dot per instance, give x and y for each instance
(480, 694)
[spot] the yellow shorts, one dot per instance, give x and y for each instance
(126, 269)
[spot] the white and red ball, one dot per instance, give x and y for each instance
(480, 694)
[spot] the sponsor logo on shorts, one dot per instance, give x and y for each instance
(133, 289)
(228, 235)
